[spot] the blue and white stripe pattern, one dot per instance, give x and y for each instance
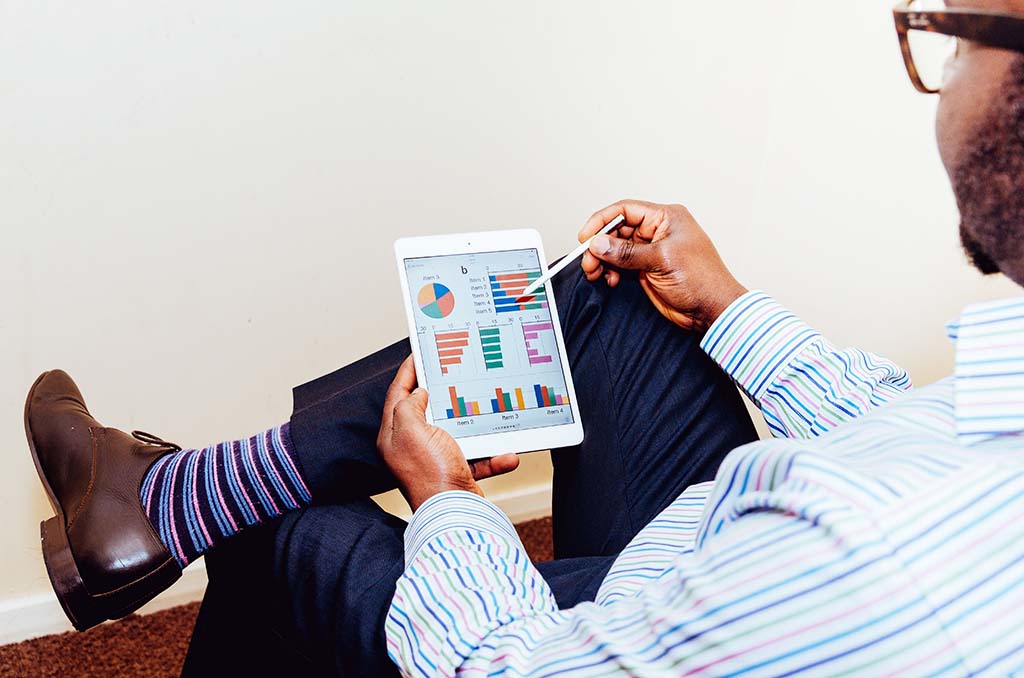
(882, 533)
(989, 370)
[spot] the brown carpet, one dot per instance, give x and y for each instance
(153, 646)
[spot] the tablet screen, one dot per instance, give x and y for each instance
(490, 356)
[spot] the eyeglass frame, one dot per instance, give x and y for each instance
(995, 29)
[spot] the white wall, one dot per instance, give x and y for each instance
(198, 200)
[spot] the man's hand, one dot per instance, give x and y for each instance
(425, 459)
(680, 269)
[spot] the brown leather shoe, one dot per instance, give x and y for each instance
(101, 552)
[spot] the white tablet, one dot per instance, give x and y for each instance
(492, 360)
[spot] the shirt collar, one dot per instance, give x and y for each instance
(989, 374)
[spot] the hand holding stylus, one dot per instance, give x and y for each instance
(680, 269)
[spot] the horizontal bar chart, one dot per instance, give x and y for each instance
(532, 335)
(450, 348)
(507, 291)
(490, 345)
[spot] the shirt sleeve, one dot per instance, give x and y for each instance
(803, 384)
(769, 593)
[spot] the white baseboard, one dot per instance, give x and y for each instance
(30, 616)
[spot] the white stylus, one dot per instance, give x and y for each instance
(570, 257)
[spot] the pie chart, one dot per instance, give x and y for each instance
(436, 300)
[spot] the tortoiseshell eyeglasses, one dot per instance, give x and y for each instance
(930, 34)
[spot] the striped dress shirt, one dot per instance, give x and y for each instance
(881, 532)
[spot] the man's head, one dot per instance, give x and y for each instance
(980, 131)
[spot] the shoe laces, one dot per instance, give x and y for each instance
(151, 439)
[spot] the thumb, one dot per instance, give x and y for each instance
(412, 407)
(628, 254)
(419, 399)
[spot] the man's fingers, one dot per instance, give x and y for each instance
(414, 407)
(401, 386)
(634, 212)
(485, 468)
(403, 383)
(628, 254)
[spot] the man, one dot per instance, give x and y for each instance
(882, 532)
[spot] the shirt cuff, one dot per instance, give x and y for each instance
(755, 339)
(455, 510)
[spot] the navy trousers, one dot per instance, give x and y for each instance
(308, 592)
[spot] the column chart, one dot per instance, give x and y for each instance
(460, 406)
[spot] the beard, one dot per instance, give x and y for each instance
(989, 184)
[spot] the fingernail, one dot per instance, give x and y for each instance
(602, 244)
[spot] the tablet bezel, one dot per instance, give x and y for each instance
(490, 444)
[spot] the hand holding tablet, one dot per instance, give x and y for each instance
(492, 358)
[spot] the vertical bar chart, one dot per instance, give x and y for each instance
(460, 406)
(510, 401)
(546, 396)
(450, 348)
(490, 344)
(533, 334)
(507, 289)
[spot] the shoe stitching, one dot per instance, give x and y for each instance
(92, 480)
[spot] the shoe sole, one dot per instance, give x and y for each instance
(83, 609)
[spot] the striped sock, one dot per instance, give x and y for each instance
(198, 498)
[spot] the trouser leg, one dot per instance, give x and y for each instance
(312, 590)
(658, 413)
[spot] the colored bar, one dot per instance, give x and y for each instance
(536, 327)
(462, 407)
(540, 398)
(455, 398)
(447, 353)
(501, 399)
(476, 407)
(510, 276)
(494, 364)
(452, 335)
(532, 307)
(452, 343)
(519, 399)
(532, 352)
(545, 395)
(451, 361)
(558, 399)
(494, 406)
(490, 330)
(508, 402)
(490, 341)
(540, 359)
(449, 412)
(491, 348)
(551, 395)
(530, 335)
